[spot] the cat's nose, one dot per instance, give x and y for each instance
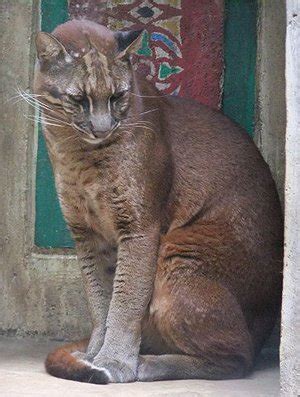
(100, 129)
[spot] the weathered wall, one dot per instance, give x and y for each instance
(290, 334)
(56, 304)
(16, 157)
(270, 80)
(39, 294)
(270, 123)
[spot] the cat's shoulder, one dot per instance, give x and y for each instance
(189, 112)
(188, 107)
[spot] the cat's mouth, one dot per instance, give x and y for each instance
(95, 137)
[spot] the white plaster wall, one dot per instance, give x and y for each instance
(270, 80)
(290, 336)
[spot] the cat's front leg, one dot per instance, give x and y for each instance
(97, 261)
(133, 284)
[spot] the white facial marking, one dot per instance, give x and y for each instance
(71, 90)
(68, 59)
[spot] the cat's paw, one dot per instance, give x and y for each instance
(115, 371)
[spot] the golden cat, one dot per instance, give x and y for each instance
(169, 197)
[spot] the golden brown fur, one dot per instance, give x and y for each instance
(178, 199)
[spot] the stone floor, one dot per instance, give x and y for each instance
(22, 374)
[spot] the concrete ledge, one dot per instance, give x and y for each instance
(56, 298)
(22, 374)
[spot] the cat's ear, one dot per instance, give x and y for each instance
(128, 41)
(49, 48)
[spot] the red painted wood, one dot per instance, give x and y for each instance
(200, 41)
(202, 36)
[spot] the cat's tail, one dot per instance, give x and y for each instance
(61, 363)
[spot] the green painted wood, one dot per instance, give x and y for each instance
(50, 227)
(53, 13)
(240, 61)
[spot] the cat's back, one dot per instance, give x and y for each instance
(218, 170)
(196, 128)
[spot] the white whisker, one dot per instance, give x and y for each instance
(32, 100)
(136, 121)
(12, 98)
(140, 126)
(62, 141)
(34, 103)
(54, 119)
(148, 96)
(45, 123)
(149, 111)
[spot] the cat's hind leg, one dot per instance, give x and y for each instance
(180, 366)
(202, 328)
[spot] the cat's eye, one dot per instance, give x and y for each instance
(76, 98)
(118, 95)
(79, 100)
(71, 98)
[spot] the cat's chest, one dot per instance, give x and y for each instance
(85, 198)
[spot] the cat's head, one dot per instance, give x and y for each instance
(84, 74)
